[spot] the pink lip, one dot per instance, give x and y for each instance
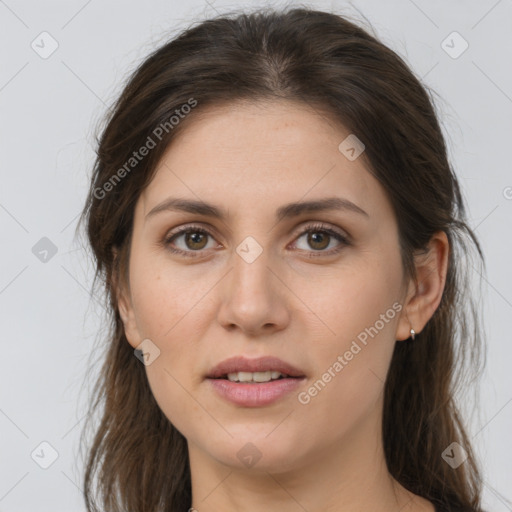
(254, 394)
(261, 364)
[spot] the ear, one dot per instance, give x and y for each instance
(424, 297)
(125, 305)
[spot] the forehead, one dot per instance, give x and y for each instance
(258, 156)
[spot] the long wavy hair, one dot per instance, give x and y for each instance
(137, 460)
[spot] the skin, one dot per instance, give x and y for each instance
(251, 158)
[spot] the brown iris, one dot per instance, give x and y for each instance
(316, 237)
(195, 237)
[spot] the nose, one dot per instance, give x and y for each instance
(254, 298)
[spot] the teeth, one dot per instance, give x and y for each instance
(255, 376)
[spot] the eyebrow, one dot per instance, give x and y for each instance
(286, 211)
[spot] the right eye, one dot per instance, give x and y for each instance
(194, 239)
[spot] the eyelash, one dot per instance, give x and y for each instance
(313, 228)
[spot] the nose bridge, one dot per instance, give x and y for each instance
(251, 277)
(251, 299)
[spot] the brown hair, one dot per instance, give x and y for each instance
(322, 59)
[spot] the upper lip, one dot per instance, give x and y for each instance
(261, 364)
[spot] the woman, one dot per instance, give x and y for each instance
(280, 235)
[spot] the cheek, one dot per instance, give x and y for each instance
(168, 310)
(165, 295)
(354, 300)
(349, 384)
(352, 363)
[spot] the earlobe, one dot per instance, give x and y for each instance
(424, 296)
(125, 307)
(127, 315)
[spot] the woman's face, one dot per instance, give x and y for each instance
(252, 284)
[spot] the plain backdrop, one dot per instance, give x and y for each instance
(51, 104)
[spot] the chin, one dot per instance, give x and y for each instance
(258, 451)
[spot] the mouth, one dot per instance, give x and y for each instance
(262, 369)
(255, 377)
(254, 382)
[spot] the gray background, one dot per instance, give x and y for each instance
(50, 108)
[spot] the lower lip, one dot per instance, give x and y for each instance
(257, 394)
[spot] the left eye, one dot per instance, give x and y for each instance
(319, 239)
(195, 240)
